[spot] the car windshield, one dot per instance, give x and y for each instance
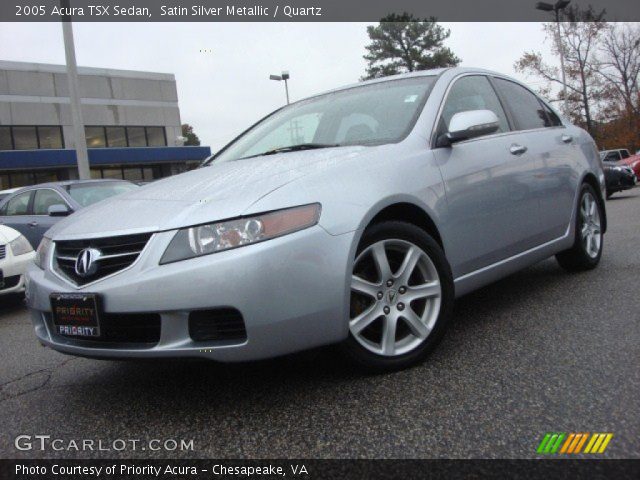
(371, 114)
(89, 193)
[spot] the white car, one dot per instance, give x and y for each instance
(16, 255)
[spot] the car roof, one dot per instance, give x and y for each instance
(66, 183)
(434, 72)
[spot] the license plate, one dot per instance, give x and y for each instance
(76, 314)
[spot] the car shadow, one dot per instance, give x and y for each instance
(200, 385)
(11, 304)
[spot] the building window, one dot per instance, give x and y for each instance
(155, 137)
(5, 138)
(116, 137)
(99, 137)
(137, 137)
(25, 138)
(96, 137)
(50, 137)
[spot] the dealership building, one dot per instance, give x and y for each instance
(132, 125)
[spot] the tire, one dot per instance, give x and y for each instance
(587, 247)
(392, 323)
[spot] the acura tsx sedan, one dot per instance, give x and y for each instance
(353, 217)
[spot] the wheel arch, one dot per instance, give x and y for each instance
(590, 179)
(407, 211)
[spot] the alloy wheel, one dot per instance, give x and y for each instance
(395, 297)
(591, 231)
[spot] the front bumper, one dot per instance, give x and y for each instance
(291, 291)
(13, 270)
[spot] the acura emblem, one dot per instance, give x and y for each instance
(391, 296)
(86, 263)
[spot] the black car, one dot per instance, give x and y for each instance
(33, 210)
(618, 177)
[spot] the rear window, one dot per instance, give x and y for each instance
(525, 107)
(89, 193)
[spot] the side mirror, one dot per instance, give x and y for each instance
(59, 210)
(469, 124)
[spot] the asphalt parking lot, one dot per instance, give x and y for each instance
(541, 351)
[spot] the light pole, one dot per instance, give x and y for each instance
(82, 156)
(548, 7)
(284, 76)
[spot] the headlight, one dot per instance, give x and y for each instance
(20, 246)
(42, 253)
(216, 237)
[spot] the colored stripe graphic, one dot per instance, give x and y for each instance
(598, 443)
(572, 443)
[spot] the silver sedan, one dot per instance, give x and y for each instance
(354, 217)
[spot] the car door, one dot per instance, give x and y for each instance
(487, 182)
(42, 221)
(16, 213)
(553, 145)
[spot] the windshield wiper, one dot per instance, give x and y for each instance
(294, 148)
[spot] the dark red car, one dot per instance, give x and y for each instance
(634, 162)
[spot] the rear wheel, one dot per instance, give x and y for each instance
(587, 248)
(401, 297)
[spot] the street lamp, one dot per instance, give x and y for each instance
(548, 7)
(82, 157)
(283, 76)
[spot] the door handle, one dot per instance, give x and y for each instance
(33, 224)
(516, 149)
(567, 138)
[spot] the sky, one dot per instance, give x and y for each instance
(222, 69)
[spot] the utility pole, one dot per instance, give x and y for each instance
(82, 156)
(564, 75)
(557, 8)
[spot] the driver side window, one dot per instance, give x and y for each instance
(44, 199)
(473, 92)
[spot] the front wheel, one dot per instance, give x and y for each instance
(401, 297)
(587, 248)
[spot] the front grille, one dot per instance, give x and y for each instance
(125, 328)
(3, 251)
(220, 324)
(116, 253)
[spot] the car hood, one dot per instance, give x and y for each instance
(207, 194)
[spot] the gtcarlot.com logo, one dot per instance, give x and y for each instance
(574, 443)
(47, 442)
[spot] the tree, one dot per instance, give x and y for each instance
(619, 66)
(578, 40)
(187, 132)
(403, 43)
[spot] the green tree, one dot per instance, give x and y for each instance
(403, 43)
(187, 132)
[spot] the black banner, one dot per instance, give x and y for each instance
(293, 10)
(319, 469)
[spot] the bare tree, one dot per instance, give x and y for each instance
(579, 36)
(620, 62)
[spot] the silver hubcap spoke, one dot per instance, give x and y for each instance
(361, 285)
(426, 290)
(365, 319)
(395, 297)
(418, 328)
(381, 260)
(590, 232)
